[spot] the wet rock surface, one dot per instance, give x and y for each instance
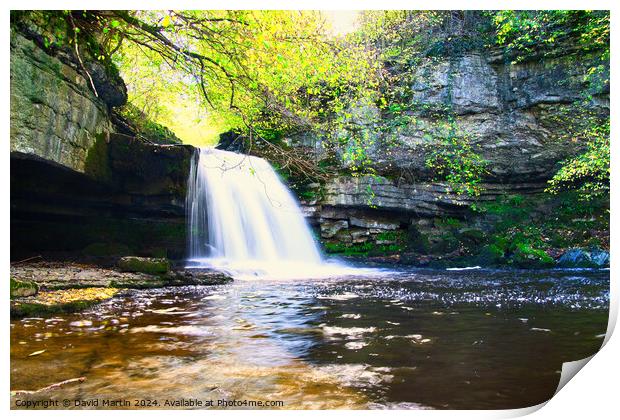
(44, 288)
(577, 257)
(23, 288)
(60, 301)
(67, 275)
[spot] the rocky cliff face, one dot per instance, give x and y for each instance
(54, 115)
(77, 185)
(516, 116)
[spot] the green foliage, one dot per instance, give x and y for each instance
(402, 40)
(402, 37)
(146, 128)
(66, 30)
(589, 172)
(348, 249)
(455, 161)
(525, 33)
(219, 69)
(384, 243)
(526, 229)
(255, 70)
(449, 222)
(271, 74)
(509, 209)
(390, 235)
(525, 256)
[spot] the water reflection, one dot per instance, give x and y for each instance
(440, 339)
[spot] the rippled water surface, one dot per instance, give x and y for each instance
(410, 339)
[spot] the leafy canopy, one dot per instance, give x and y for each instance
(252, 69)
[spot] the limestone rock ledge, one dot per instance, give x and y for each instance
(429, 199)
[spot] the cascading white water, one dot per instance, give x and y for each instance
(244, 220)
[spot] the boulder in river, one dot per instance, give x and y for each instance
(584, 258)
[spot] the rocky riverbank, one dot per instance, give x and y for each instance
(45, 288)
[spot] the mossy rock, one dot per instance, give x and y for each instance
(144, 265)
(21, 288)
(60, 301)
(525, 256)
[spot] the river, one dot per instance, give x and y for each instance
(413, 338)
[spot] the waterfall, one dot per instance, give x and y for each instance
(243, 219)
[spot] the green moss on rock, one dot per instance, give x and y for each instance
(491, 255)
(20, 288)
(60, 301)
(471, 237)
(144, 265)
(97, 164)
(525, 256)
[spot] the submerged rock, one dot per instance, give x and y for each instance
(60, 301)
(144, 265)
(584, 258)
